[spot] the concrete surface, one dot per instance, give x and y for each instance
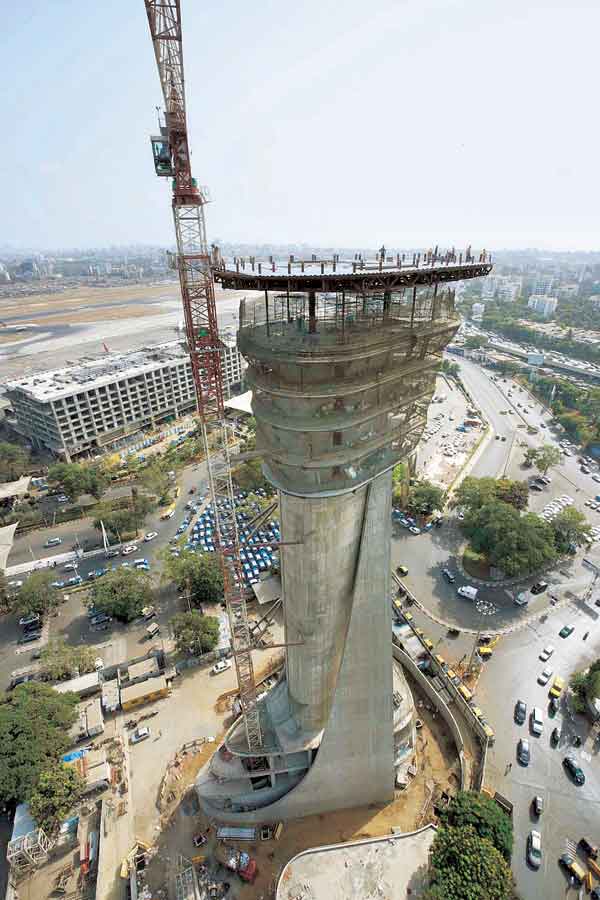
(393, 867)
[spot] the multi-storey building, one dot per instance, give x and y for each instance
(477, 311)
(542, 304)
(100, 403)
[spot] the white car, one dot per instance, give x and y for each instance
(545, 675)
(151, 535)
(140, 734)
(130, 548)
(546, 653)
(534, 849)
(521, 599)
(221, 666)
(62, 498)
(71, 567)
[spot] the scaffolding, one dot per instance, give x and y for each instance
(29, 851)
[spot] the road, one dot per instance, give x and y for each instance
(512, 672)
(71, 622)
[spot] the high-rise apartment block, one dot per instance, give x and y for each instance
(542, 304)
(99, 403)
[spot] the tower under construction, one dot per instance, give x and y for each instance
(342, 360)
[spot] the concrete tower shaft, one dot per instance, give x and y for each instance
(342, 366)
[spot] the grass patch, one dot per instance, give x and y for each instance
(475, 564)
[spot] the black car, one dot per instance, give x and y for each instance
(539, 587)
(448, 576)
(29, 637)
(523, 752)
(520, 712)
(574, 771)
(588, 848)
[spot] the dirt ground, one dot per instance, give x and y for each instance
(438, 770)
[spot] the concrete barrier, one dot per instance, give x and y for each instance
(425, 683)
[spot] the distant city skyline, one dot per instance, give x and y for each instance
(413, 123)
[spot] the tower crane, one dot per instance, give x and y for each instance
(193, 262)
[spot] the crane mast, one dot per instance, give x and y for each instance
(193, 262)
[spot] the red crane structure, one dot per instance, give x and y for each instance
(193, 262)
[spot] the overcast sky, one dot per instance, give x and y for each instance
(336, 123)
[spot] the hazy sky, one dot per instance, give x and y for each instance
(335, 123)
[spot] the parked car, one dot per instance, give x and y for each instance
(536, 721)
(520, 712)
(129, 548)
(588, 848)
(534, 849)
(539, 587)
(150, 536)
(450, 578)
(29, 636)
(402, 570)
(574, 770)
(537, 806)
(566, 630)
(140, 734)
(545, 675)
(29, 619)
(523, 752)
(71, 567)
(221, 666)
(546, 653)
(53, 542)
(110, 554)
(100, 619)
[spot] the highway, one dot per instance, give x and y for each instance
(511, 674)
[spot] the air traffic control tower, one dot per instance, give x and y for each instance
(342, 360)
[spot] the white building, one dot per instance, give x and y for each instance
(509, 289)
(477, 311)
(98, 403)
(543, 304)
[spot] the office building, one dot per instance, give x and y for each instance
(477, 311)
(99, 403)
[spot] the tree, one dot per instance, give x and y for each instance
(54, 796)
(474, 493)
(249, 476)
(120, 522)
(450, 368)
(76, 479)
(547, 457)
(14, 461)
(59, 659)
(400, 484)
(570, 528)
(511, 542)
(4, 596)
(530, 457)
(424, 497)
(155, 480)
(122, 593)
(194, 633)
(516, 493)
(474, 342)
(37, 594)
(34, 725)
(484, 815)
(198, 573)
(464, 866)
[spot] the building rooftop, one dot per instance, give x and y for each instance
(145, 668)
(78, 685)
(94, 373)
(392, 867)
(134, 691)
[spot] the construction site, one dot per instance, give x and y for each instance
(341, 742)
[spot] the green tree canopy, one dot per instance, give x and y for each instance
(570, 527)
(122, 593)
(450, 368)
(14, 461)
(57, 791)
(424, 497)
(198, 573)
(484, 815)
(59, 659)
(511, 542)
(249, 476)
(34, 725)
(76, 479)
(474, 493)
(121, 522)
(37, 594)
(194, 633)
(546, 457)
(155, 480)
(465, 866)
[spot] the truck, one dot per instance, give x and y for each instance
(237, 861)
(470, 593)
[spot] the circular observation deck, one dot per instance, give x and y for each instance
(341, 381)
